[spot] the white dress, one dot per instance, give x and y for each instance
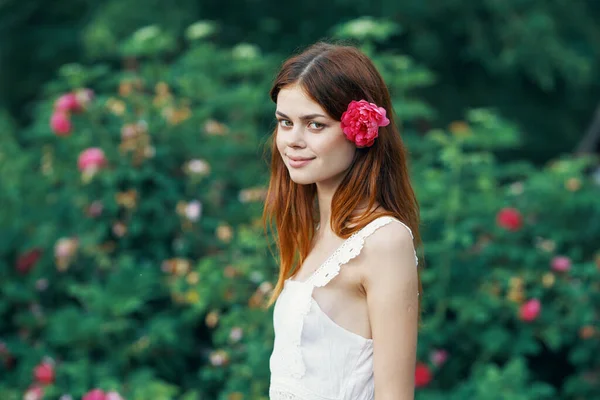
(313, 357)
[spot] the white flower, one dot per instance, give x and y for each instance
(218, 358)
(236, 334)
(200, 167)
(193, 210)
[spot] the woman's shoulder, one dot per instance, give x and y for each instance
(389, 252)
(391, 235)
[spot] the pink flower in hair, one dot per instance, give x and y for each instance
(361, 122)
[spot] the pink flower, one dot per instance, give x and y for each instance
(113, 396)
(361, 122)
(60, 123)
(510, 219)
(422, 375)
(561, 263)
(95, 394)
(91, 159)
(67, 103)
(530, 310)
(35, 392)
(438, 357)
(44, 373)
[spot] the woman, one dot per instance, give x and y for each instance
(340, 198)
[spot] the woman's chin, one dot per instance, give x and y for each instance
(300, 179)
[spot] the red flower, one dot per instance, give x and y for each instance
(60, 123)
(67, 103)
(422, 375)
(44, 373)
(361, 122)
(27, 261)
(95, 394)
(530, 310)
(561, 263)
(510, 219)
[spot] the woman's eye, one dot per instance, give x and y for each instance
(285, 123)
(316, 125)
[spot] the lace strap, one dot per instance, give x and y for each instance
(348, 250)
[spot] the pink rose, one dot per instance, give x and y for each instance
(510, 219)
(67, 103)
(530, 310)
(44, 373)
(361, 122)
(60, 123)
(561, 263)
(95, 394)
(91, 159)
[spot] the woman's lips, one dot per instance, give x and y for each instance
(299, 163)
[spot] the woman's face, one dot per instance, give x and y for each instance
(305, 131)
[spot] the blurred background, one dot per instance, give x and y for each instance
(134, 162)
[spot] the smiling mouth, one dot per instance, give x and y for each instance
(300, 162)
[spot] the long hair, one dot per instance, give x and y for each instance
(333, 75)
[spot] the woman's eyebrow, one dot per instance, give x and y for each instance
(302, 118)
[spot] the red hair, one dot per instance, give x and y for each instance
(333, 75)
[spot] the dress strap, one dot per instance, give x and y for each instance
(348, 250)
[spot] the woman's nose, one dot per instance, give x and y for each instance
(295, 136)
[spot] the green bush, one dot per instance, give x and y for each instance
(146, 275)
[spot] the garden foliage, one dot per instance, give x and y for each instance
(134, 261)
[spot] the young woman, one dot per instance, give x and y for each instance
(346, 217)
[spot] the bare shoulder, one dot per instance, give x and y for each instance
(389, 258)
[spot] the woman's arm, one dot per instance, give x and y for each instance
(391, 284)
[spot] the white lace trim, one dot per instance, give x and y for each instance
(348, 250)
